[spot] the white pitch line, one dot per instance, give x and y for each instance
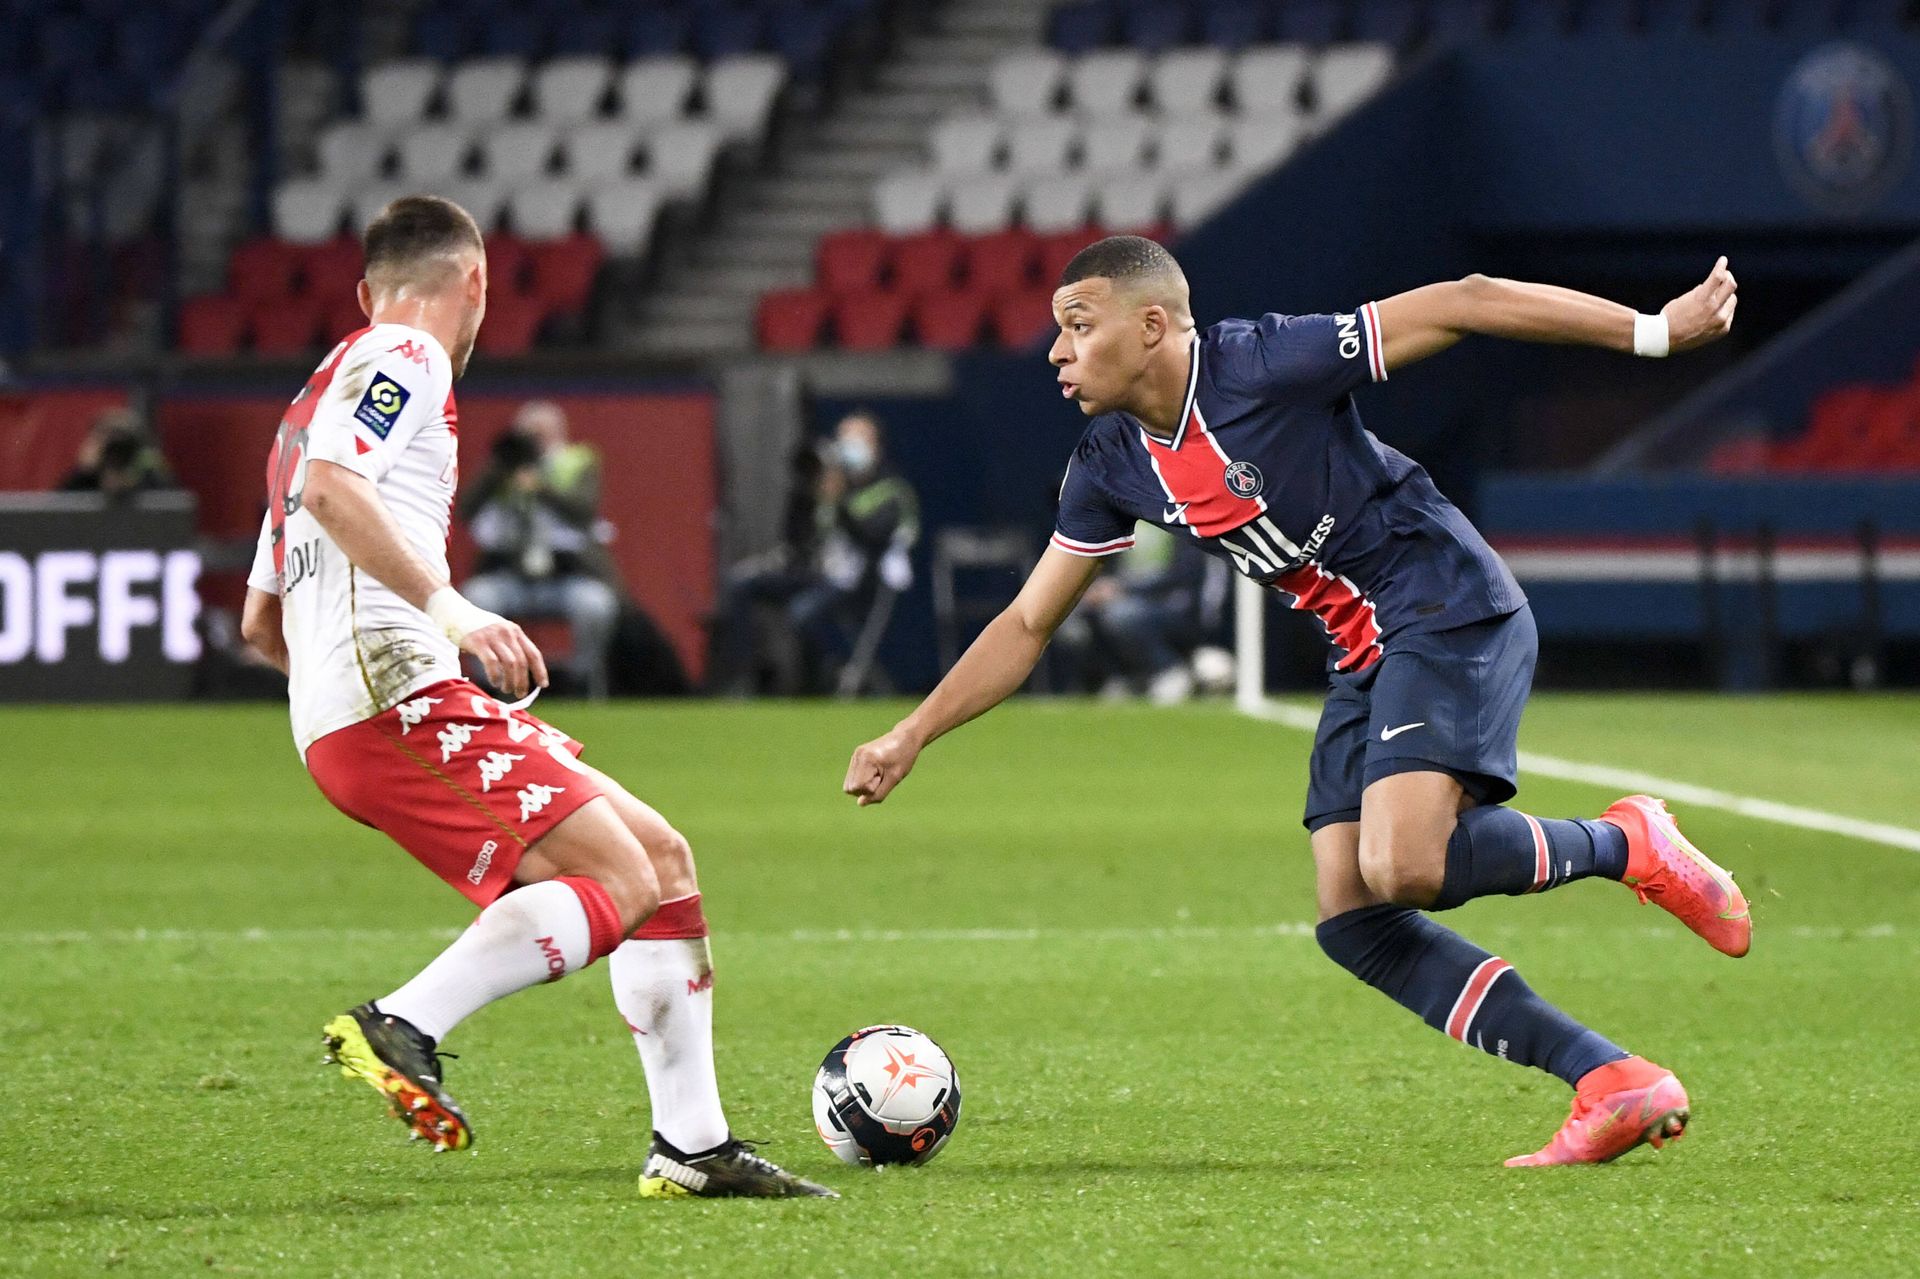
(1632, 780)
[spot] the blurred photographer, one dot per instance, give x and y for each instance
(118, 458)
(533, 514)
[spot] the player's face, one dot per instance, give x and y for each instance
(1101, 351)
(476, 310)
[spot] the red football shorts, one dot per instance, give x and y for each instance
(456, 779)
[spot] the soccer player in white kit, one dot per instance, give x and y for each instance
(349, 595)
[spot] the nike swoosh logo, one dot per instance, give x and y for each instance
(1388, 734)
(1175, 514)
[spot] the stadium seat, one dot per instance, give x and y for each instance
(432, 153)
(1309, 21)
(1267, 80)
(484, 198)
(1234, 24)
(1186, 81)
(351, 151)
(364, 205)
(516, 154)
(545, 209)
(1058, 203)
(1106, 82)
(508, 262)
(1056, 251)
(483, 90)
(1079, 28)
(511, 34)
(568, 91)
(907, 201)
(653, 33)
(586, 33)
(1003, 262)
(211, 326)
(981, 204)
(871, 321)
(1258, 145)
(442, 33)
(950, 321)
(598, 152)
(740, 92)
(340, 316)
(791, 319)
(563, 270)
(1670, 17)
(394, 94)
(1198, 196)
(1026, 83)
(851, 261)
(307, 211)
(1022, 319)
(513, 322)
(1153, 26)
(926, 263)
(285, 326)
(1041, 145)
(1452, 22)
(263, 268)
(655, 90)
(331, 268)
(623, 214)
(965, 144)
(1194, 143)
(680, 158)
(1540, 18)
(1115, 145)
(1131, 200)
(1346, 76)
(802, 37)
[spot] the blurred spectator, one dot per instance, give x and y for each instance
(118, 458)
(850, 525)
(1142, 618)
(534, 515)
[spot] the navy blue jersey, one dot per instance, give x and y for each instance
(1272, 469)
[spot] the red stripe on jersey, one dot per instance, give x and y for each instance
(452, 415)
(1473, 994)
(290, 444)
(1342, 609)
(1193, 471)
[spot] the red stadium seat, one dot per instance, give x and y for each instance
(926, 262)
(950, 321)
(211, 325)
(1002, 262)
(851, 261)
(564, 270)
(791, 319)
(286, 326)
(1058, 249)
(262, 269)
(332, 268)
(512, 325)
(870, 321)
(1021, 319)
(339, 318)
(508, 263)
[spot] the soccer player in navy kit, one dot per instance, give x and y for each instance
(1245, 436)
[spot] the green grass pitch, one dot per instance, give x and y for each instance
(1103, 914)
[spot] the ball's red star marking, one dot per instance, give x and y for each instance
(902, 1073)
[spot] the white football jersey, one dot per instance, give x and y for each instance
(381, 405)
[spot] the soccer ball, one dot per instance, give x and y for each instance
(886, 1095)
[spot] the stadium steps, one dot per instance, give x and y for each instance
(764, 236)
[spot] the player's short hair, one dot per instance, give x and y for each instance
(1119, 258)
(416, 234)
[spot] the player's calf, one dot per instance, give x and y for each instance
(1497, 850)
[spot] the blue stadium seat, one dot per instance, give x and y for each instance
(1538, 18)
(1077, 28)
(721, 30)
(1156, 26)
(514, 35)
(442, 33)
(802, 36)
(587, 31)
(67, 42)
(1390, 22)
(1235, 24)
(653, 33)
(1309, 21)
(1459, 21)
(148, 45)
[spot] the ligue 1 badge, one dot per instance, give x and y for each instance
(1244, 479)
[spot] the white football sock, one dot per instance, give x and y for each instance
(533, 934)
(664, 989)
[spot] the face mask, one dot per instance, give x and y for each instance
(856, 455)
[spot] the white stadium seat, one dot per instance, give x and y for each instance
(1128, 202)
(431, 153)
(1347, 75)
(680, 157)
(1059, 203)
(544, 210)
(396, 93)
(1267, 78)
(482, 90)
(350, 151)
(570, 90)
(307, 210)
(1105, 82)
(623, 214)
(1198, 196)
(1187, 81)
(600, 152)
(1190, 143)
(1041, 146)
(517, 153)
(981, 204)
(1260, 144)
(739, 93)
(1022, 84)
(907, 201)
(965, 144)
(483, 198)
(655, 90)
(367, 201)
(1115, 145)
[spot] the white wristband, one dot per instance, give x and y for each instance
(1650, 335)
(457, 615)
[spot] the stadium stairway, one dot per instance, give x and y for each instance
(766, 233)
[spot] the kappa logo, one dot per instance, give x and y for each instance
(495, 766)
(535, 797)
(454, 739)
(411, 713)
(412, 350)
(484, 860)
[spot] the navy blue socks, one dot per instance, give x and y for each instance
(1456, 987)
(1503, 850)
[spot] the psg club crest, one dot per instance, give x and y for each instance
(1843, 127)
(1244, 479)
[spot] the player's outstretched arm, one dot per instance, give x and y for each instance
(994, 665)
(1428, 320)
(350, 510)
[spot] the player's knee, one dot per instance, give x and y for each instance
(672, 858)
(634, 888)
(1398, 871)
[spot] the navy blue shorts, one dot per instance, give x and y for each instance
(1444, 702)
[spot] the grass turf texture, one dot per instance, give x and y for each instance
(1162, 1076)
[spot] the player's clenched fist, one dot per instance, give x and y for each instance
(1703, 313)
(879, 766)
